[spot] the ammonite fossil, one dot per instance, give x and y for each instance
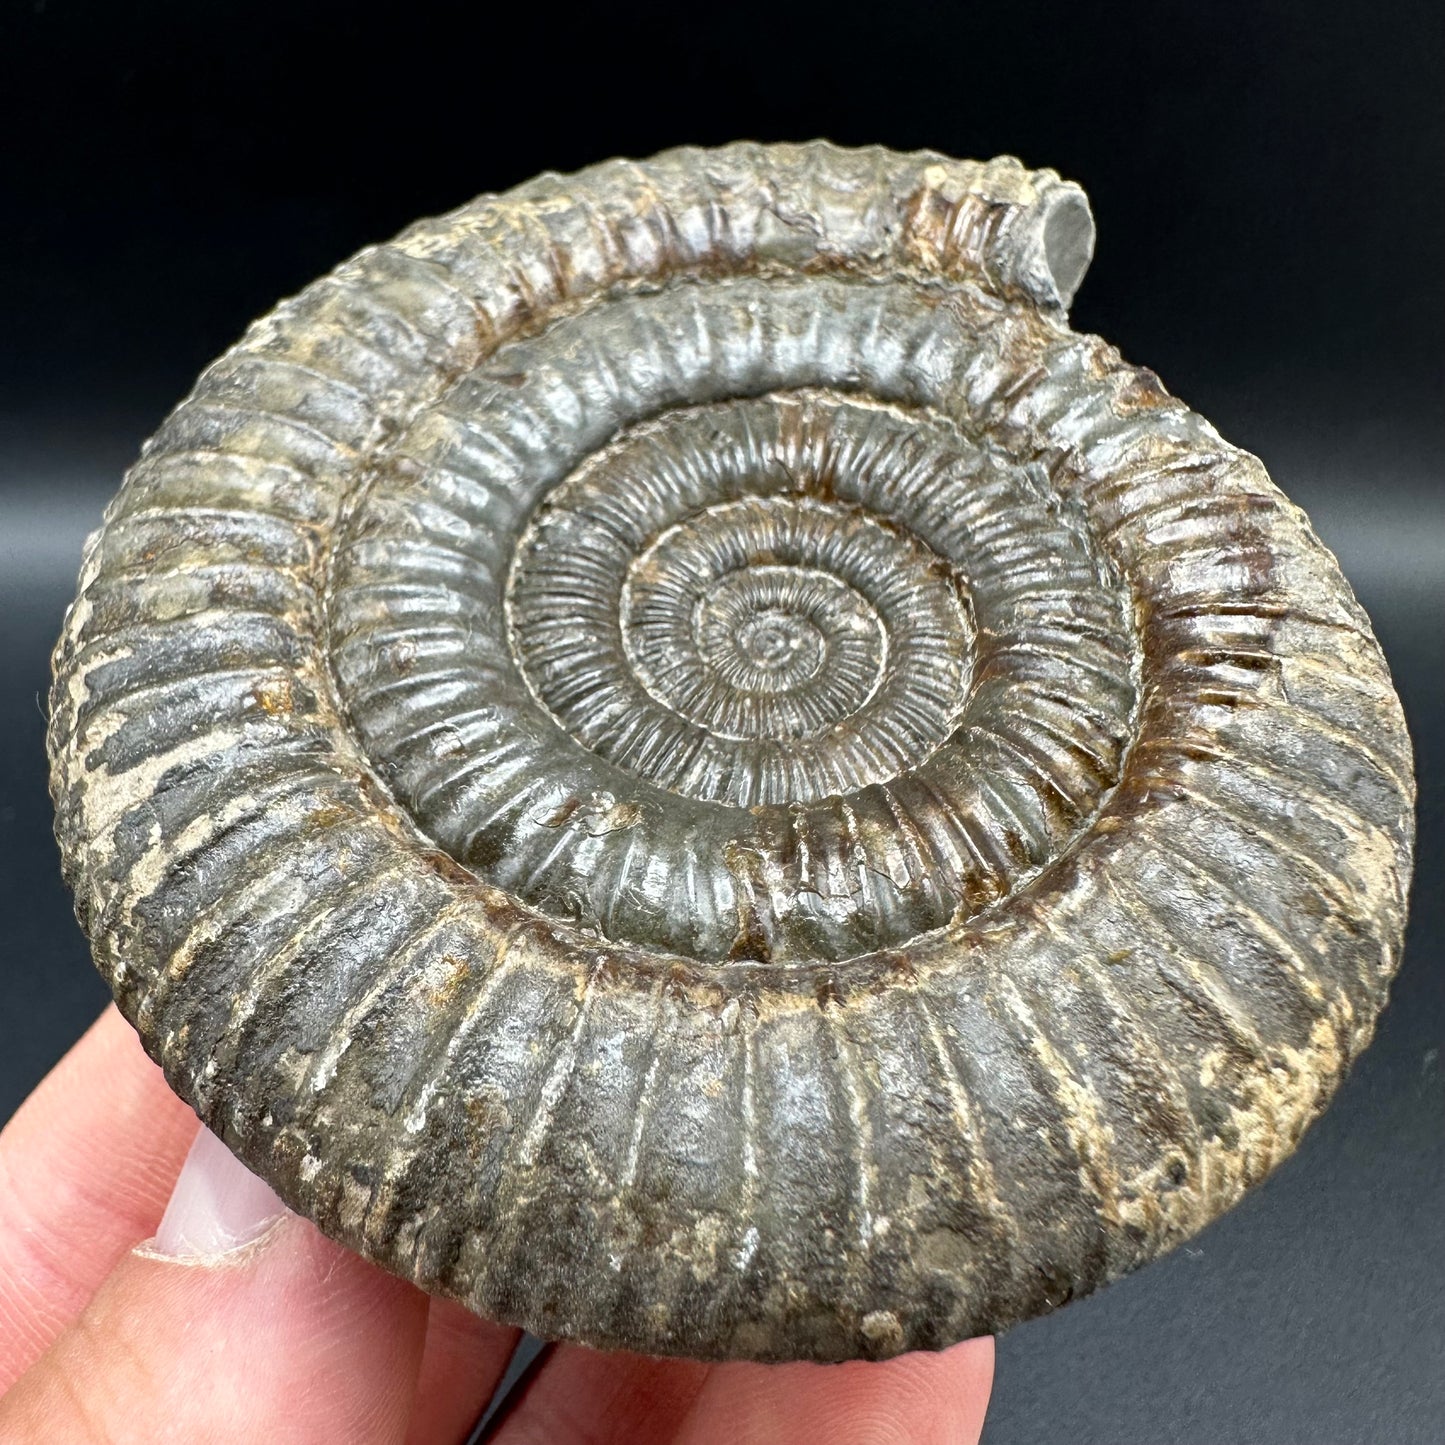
(672, 756)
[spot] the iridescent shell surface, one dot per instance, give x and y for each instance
(672, 756)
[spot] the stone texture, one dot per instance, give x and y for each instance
(672, 756)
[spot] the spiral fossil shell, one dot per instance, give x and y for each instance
(672, 756)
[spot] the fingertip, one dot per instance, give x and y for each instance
(462, 1363)
(279, 1335)
(86, 1166)
(923, 1398)
(217, 1206)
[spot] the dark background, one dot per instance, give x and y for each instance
(1268, 184)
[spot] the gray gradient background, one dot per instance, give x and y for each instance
(1267, 182)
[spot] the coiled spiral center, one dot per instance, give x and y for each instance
(697, 619)
(765, 649)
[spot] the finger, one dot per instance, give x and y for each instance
(585, 1395)
(920, 1399)
(86, 1166)
(238, 1323)
(462, 1364)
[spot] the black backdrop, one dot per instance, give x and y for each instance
(1268, 186)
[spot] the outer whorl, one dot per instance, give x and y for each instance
(672, 756)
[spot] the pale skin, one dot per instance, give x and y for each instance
(290, 1340)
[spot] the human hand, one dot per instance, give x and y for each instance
(236, 1321)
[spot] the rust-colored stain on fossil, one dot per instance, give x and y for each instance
(672, 756)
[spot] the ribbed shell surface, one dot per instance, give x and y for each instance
(672, 756)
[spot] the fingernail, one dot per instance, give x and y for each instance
(217, 1206)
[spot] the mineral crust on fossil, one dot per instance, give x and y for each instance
(672, 756)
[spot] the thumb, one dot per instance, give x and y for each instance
(238, 1322)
